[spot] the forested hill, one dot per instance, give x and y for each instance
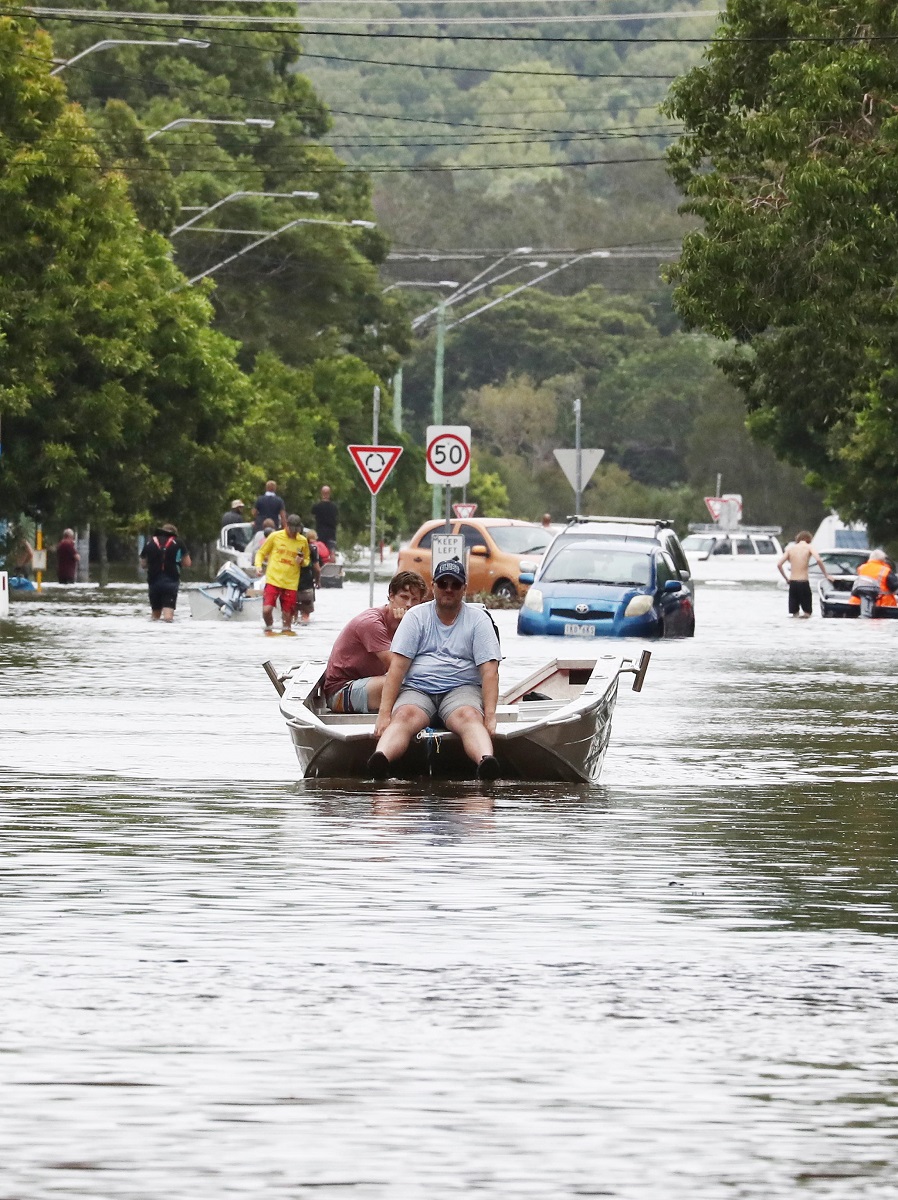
(507, 123)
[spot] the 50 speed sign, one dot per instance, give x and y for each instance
(448, 454)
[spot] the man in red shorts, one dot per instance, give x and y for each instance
(286, 552)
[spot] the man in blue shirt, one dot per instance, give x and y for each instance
(444, 662)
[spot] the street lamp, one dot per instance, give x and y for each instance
(198, 45)
(469, 287)
(237, 195)
(258, 122)
(274, 233)
(424, 283)
(531, 283)
(397, 378)
(466, 290)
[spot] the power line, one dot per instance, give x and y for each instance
(301, 23)
(190, 167)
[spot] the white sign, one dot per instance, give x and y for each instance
(463, 511)
(589, 460)
(375, 463)
(726, 510)
(446, 545)
(448, 455)
(39, 560)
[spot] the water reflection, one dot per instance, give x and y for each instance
(220, 980)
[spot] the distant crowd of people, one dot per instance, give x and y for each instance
(289, 554)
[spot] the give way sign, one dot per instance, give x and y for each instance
(375, 463)
(448, 455)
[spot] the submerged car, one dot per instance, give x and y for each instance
(499, 551)
(634, 531)
(593, 587)
(835, 593)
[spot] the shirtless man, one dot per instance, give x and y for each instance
(798, 555)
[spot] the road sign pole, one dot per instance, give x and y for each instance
(578, 486)
(448, 491)
(438, 367)
(373, 531)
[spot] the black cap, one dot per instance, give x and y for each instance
(450, 566)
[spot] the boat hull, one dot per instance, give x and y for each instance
(549, 739)
(203, 606)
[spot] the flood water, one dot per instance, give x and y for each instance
(219, 982)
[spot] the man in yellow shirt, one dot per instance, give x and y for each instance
(286, 552)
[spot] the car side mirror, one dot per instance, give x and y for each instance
(685, 575)
(481, 551)
(672, 585)
(526, 577)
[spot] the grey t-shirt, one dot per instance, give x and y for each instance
(445, 656)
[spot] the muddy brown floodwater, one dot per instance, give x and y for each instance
(219, 982)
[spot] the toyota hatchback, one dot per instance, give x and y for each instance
(592, 588)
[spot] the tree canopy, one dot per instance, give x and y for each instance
(789, 160)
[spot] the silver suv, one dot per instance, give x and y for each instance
(644, 530)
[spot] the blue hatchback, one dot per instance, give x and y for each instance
(595, 588)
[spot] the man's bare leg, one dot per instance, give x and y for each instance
(406, 721)
(467, 722)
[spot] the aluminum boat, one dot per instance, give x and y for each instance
(552, 726)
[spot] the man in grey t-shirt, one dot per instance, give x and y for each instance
(444, 661)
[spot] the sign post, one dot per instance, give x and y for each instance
(374, 464)
(448, 459)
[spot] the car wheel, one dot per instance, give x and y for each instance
(826, 611)
(505, 590)
(690, 632)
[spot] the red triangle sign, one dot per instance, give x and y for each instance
(375, 463)
(463, 511)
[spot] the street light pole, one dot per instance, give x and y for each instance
(103, 45)
(273, 234)
(258, 122)
(439, 364)
(397, 378)
(236, 195)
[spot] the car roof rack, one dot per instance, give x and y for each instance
(656, 522)
(695, 527)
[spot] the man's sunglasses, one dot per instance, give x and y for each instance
(449, 582)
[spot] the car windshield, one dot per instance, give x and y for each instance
(843, 562)
(698, 544)
(582, 563)
(521, 539)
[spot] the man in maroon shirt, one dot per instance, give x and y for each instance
(354, 679)
(67, 558)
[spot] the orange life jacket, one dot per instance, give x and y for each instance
(879, 571)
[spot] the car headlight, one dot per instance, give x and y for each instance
(638, 606)
(534, 600)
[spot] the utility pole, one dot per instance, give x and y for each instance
(438, 389)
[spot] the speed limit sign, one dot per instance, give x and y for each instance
(448, 454)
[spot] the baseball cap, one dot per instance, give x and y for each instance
(450, 566)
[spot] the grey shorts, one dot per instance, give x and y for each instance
(350, 698)
(443, 704)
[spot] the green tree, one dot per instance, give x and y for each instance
(118, 400)
(312, 291)
(789, 160)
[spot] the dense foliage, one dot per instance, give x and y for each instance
(651, 395)
(789, 160)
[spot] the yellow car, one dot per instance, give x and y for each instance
(497, 552)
